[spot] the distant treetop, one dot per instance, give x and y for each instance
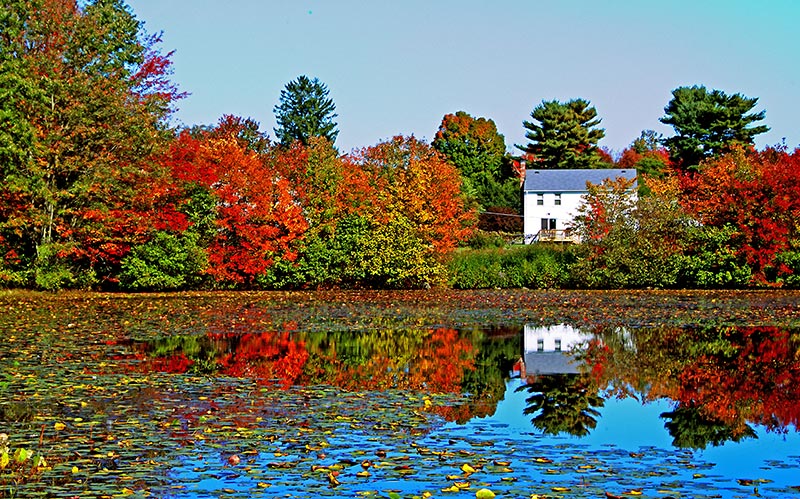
(305, 111)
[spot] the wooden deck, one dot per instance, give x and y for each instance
(555, 236)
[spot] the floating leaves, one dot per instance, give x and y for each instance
(86, 418)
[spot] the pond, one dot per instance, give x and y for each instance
(399, 395)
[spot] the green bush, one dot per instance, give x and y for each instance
(713, 261)
(166, 262)
(791, 260)
(54, 270)
(483, 240)
(531, 266)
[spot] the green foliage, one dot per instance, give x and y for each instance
(394, 256)
(691, 429)
(482, 240)
(326, 259)
(530, 266)
(475, 147)
(53, 272)
(790, 259)
(630, 242)
(305, 111)
(166, 262)
(361, 253)
(709, 123)
(563, 135)
(713, 261)
(563, 403)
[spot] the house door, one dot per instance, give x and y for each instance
(548, 224)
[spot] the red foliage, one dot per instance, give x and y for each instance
(265, 356)
(758, 383)
(758, 193)
(258, 217)
(177, 363)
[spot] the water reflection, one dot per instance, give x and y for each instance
(152, 399)
(721, 381)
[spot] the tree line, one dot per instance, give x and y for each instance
(99, 190)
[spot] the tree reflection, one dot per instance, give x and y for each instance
(427, 360)
(722, 378)
(563, 403)
(690, 428)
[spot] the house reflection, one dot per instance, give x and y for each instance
(561, 398)
(549, 350)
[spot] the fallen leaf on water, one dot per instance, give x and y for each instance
(333, 480)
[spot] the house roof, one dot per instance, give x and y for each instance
(571, 180)
(550, 363)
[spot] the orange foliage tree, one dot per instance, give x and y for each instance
(255, 216)
(410, 179)
(90, 98)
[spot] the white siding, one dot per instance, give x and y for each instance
(563, 214)
(547, 338)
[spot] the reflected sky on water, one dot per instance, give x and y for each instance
(159, 406)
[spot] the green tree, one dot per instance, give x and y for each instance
(707, 123)
(630, 242)
(475, 147)
(305, 111)
(91, 98)
(563, 135)
(690, 428)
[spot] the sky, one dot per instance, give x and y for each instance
(399, 67)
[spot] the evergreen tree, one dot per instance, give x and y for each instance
(709, 123)
(305, 111)
(563, 135)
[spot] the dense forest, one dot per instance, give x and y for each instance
(99, 190)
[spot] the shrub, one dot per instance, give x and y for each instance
(54, 270)
(165, 262)
(532, 266)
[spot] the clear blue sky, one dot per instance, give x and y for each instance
(399, 67)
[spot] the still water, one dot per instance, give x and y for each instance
(212, 402)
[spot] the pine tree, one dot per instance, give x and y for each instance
(305, 111)
(563, 136)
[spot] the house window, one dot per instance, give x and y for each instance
(540, 345)
(540, 199)
(558, 344)
(558, 200)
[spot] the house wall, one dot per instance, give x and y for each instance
(534, 213)
(546, 338)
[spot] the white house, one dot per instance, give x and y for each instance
(550, 199)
